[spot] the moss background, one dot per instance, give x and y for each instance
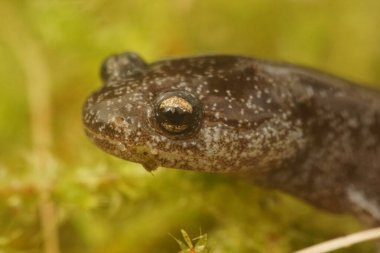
(58, 188)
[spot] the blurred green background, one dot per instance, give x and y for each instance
(56, 188)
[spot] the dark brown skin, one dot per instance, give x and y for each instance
(281, 126)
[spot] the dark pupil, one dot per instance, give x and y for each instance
(174, 115)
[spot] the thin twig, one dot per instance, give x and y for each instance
(343, 242)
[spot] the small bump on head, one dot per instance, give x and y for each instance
(122, 66)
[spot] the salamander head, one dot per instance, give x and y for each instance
(213, 113)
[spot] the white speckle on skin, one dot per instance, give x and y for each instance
(120, 146)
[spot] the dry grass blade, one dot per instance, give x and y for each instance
(343, 242)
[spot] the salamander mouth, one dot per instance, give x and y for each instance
(107, 143)
(138, 154)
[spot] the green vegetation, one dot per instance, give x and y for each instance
(188, 246)
(56, 188)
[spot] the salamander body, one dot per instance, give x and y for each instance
(278, 125)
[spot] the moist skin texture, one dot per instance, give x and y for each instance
(281, 126)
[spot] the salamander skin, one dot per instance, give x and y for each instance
(281, 126)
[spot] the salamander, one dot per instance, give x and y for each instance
(278, 125)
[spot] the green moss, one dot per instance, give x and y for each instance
(103, 204)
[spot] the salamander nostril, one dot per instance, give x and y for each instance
(119, 120)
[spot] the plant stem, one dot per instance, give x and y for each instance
(28, 53)
(343, 242)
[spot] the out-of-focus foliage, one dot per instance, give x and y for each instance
(102, 204)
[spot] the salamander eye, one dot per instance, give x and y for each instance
(178, 113)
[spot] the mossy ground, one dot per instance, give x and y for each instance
(51, 51)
